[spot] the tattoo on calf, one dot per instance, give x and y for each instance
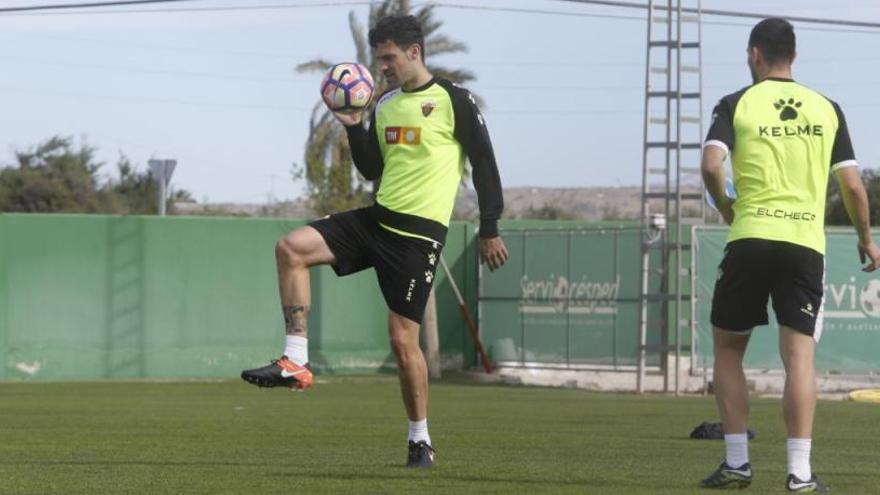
(295, 319)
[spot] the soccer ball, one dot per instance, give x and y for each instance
(347, 87)
(870, 298)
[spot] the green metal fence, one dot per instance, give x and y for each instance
(851, 330)
(90, 296)
(569, 298)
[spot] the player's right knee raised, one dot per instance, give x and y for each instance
(288, 251)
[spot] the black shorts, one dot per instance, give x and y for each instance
(754, 270)
(405, 266)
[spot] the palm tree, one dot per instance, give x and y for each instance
(331, 181)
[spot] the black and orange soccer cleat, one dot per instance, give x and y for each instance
(280, 373)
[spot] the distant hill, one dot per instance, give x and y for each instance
(583, 203)
(281, 209)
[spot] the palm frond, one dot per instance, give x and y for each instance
(316, 65)
(425, 15)
(460, 76)
(359, 38)
(441, 44)
(378, 11)
(372, 16)
(405, 6)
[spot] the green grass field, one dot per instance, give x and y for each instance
(347, 435)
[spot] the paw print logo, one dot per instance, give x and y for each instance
(788, 108)
(429, 276)
(432, 259)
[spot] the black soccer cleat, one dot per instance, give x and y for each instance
(795, 484)
(280, 373)
(726, 477)
(421, 455)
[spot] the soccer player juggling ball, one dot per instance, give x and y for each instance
(784, 140)
(420, 134)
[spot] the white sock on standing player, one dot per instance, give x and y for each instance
(418, 431)
(799, 458)
(737, 447)
(296, 349)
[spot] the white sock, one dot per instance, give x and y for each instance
(418, 431)
(799, 458)
(297, 349)
(737, 446)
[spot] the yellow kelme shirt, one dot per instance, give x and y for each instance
(784, 138)
(417, 143)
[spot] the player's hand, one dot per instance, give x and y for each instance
(493, 252)
(725, 208)
(870, 252)
(349, 119)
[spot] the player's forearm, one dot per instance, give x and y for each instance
(367, 160)
(487, 182)
(713, 175)
(855, 200)
(489, 218)
(489, 196)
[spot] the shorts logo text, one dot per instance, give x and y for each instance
(412, 285)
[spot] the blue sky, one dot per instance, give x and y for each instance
(218, 91)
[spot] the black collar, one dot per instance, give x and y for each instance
(420, 88)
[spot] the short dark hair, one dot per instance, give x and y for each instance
(774, 37)
(403, 30)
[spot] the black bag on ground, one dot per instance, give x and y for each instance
(713, 431)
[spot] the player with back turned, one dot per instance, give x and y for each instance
(420, 134)
(784, 140)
